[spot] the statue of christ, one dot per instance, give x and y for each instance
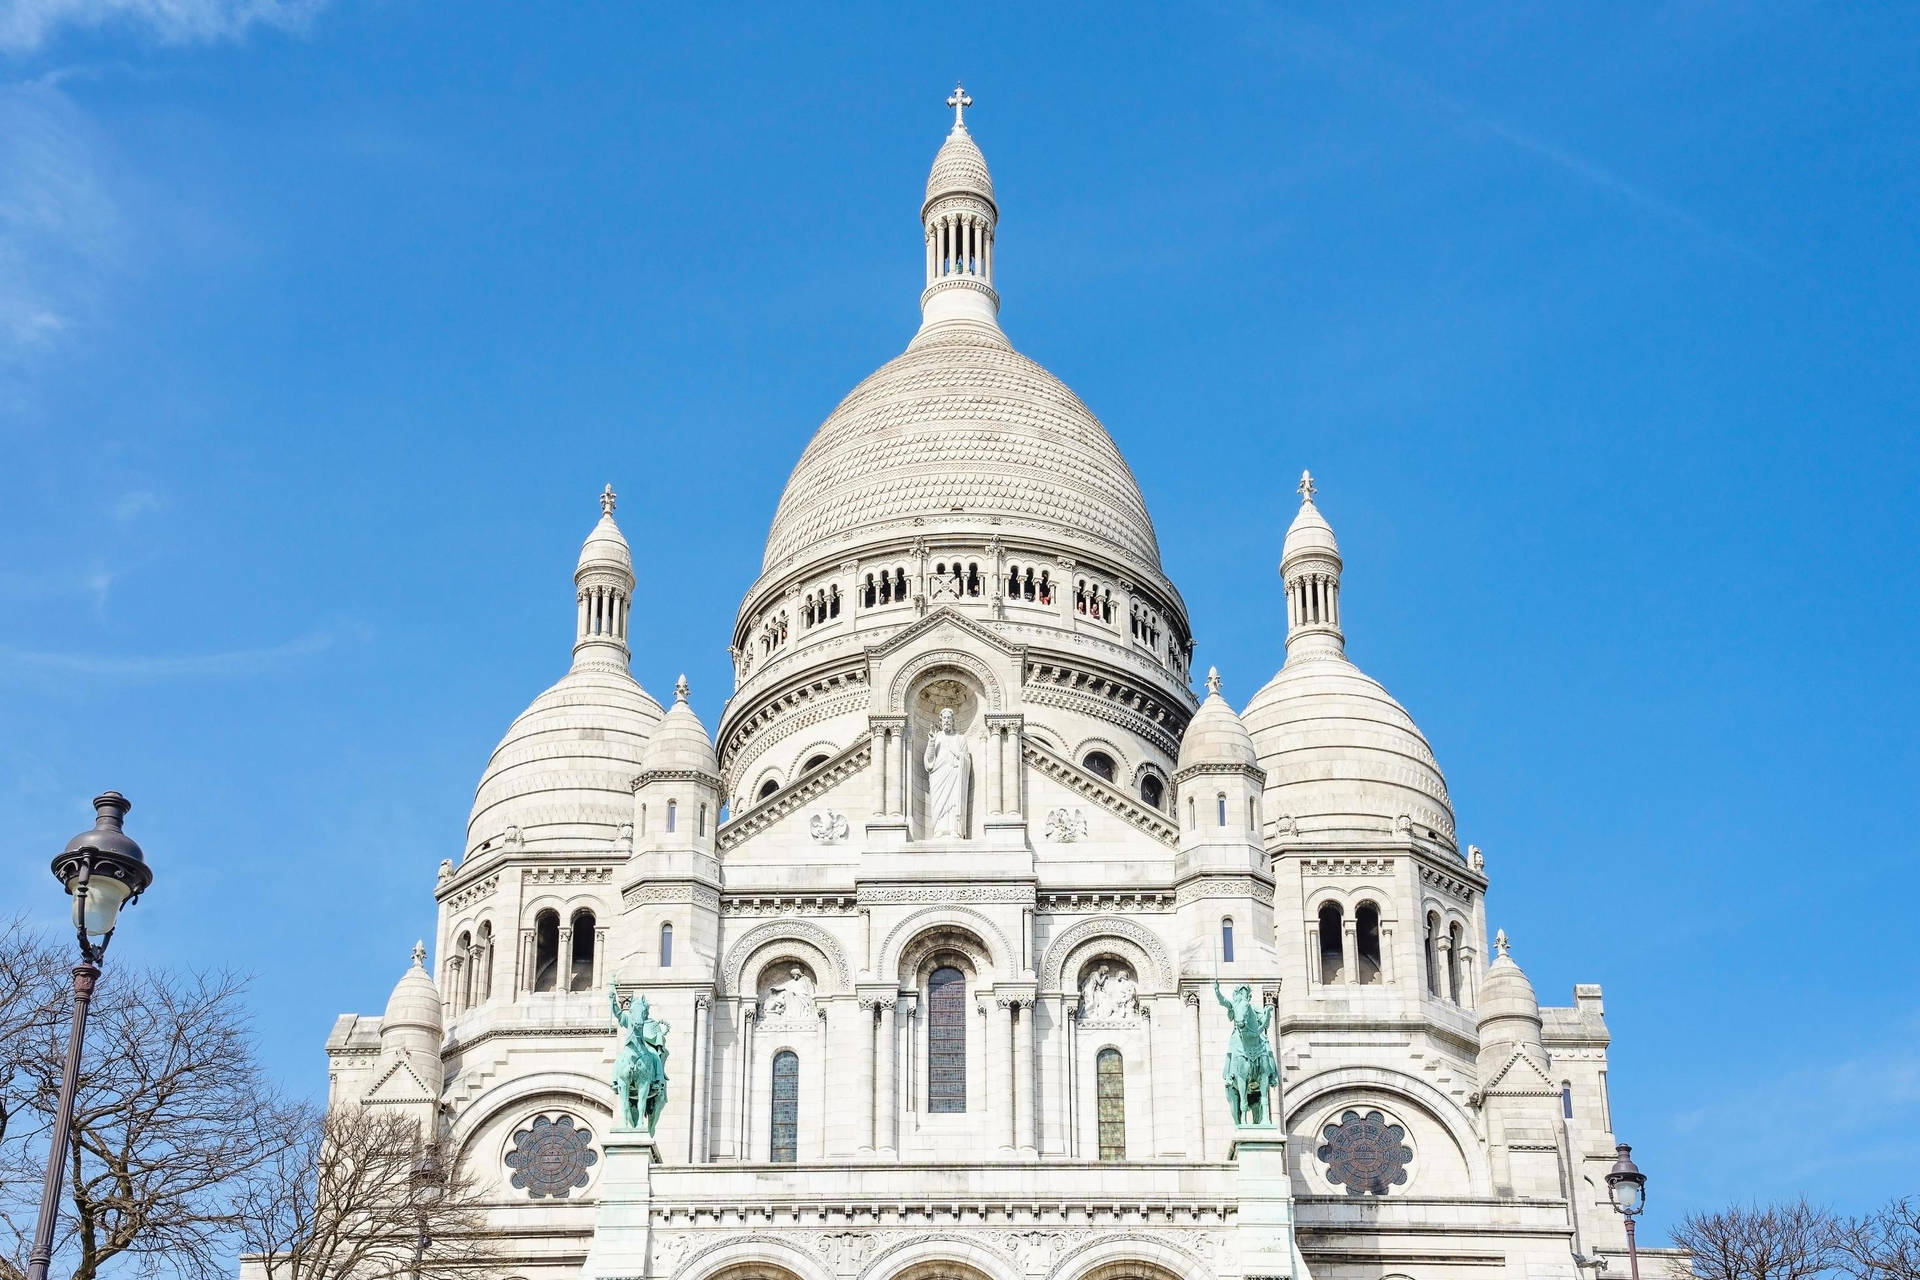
(946, 762)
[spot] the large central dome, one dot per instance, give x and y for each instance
(960, 422)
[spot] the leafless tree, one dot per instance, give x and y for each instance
(33, 1006)
(1880, 1246)
(1772, 1242)
(170, 1109)
(362, 1195)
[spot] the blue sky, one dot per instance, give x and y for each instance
(322, 324)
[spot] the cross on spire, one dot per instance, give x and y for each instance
(1500, 942)
(420, 953)
(606, 501)
(1306, 487)
(959, 100)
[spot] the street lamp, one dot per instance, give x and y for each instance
(103, 870)
(1628, 1188)
(426, 1184)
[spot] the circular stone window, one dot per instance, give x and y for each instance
(1365, 1153)
(551, 1157)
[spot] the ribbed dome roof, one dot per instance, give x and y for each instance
(606, 547)
(680, 741)
(961, 422)
(1340, 753)
(1509, 1009)
(1216, 735)
(565, 769)
(413, 1010)
(1309, 530)
(959, 168)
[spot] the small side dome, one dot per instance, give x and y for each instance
(1509, 1009)
(1215, 735)
(606, 547)
(680, 743)
(412, 1021)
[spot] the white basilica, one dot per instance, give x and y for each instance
(934, 918)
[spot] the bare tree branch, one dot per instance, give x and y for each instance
(1880, 1246)
(1774, 1242)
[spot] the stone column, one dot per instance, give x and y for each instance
(887, 1101)
(999, 1072)
(1465, 960)
(702, 1073)
(863, 1073)
(1350, 949)
(887, 828)
(1387, 967)
(741, 1150)
(1026, 1129)
(1315, 971)
(1195, 1014)
(1443, 964)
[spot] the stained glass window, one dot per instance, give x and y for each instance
(786, 1107)
(1365, 1153)
(946, 1041)
(551, 1156)
(1110, 1089)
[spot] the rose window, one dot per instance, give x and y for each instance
(1365, 1153)
(551, 1157)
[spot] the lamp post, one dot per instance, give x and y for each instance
(425, 1185)
(1628, 1188)
(103, 870)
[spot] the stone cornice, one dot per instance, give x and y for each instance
(1109, 797)
(758, 817)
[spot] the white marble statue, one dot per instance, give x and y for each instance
(1109, 994)
(946, 779)
(792, 998)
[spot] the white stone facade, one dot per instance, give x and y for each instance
(996, 1054)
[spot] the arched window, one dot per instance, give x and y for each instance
(1458, 937)
(1253, 814)
(899, 584)
(1221, 801)
(868, 594)
(1189, 813)
(973, 579)
(580, 973)
(784, 1147)
(946, 1041)
(1110, 1092)
(1433, 959)
(1152, 790)
(833, 601)
(546, 950)
(673, 814)
(768, 787)
(700, 822)
(814, 762)
(1366, 928)
(483, 962)
(1099, 764)
(463, 972)
(1046, 587)
(1566, 1099)
(1226, 940)
(666, 945)
(1331, 957)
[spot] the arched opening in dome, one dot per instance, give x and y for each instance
(767, 788)
(1099, 764)
(1431, 948)
(580, 975)
(1332, 918)
(1457, 937)
(814, 762)
(546, 950)
(1152, 790)
(1366, 929)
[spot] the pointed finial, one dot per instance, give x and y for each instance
(1306, 487)
(680, 688)
(1213, 680)
(420, 954)
(959, 101)
(607, 501)
(1500, 942)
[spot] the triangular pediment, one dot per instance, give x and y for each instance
(399, 1083)
(808, 789)
(1522, 1075)
(1045, 760)
(944, 617)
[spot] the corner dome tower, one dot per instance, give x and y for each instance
(1342, 757)
(563, 773)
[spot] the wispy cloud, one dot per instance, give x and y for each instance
(135, 503)
(38, 667)
(25, 25)
(60, 229)
(1378, 75)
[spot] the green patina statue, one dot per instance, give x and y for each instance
(1252, 1076)
(640, 1070)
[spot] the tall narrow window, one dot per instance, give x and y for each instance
(1454, 963)
(785, 1145)
(1189, 813)
(1110, 1092)
(1226, 940)
(1566, 1099)
(463, 971)
(483, 962)
(546, 950)
(1366, 927)
(666, 946)
(946, 1041)
(1433, 959)
(1221, 800)
(700, 823)
(1152, 790)
(1331, 956)
(580, 972)
(673, 813)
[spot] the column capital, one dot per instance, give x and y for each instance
(877, 995)
(1014, 995)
